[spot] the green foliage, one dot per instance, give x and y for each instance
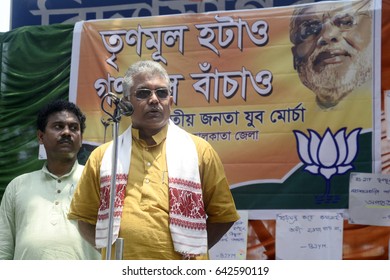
(35, 69)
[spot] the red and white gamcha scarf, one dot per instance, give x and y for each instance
(187, 217)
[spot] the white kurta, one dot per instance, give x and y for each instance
(33, 218)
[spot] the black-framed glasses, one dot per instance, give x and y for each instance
(145, 93)
(313, 27)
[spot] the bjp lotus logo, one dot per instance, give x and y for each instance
(330, 155)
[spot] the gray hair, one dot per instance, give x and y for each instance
(144, 66)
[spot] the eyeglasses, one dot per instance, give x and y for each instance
(145, 93)
(312, 28)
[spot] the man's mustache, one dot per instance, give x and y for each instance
(330, 54)
(155, 108)
(329, 51)
(65, 140)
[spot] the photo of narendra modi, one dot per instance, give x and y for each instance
(332, 48)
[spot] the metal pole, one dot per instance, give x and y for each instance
(119, 248)
(125, 108)
(112, 189)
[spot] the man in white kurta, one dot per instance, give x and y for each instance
(33, 222)
(34, 207)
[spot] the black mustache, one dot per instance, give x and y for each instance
(65, 140)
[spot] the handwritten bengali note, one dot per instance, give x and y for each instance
(232, 245)
(369, 199)
(42, 152)
(309, 235)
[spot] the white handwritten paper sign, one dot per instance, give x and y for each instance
(42, 152)
(309, 236)
(369, 199)
(232, 246)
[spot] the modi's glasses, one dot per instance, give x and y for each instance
(145, 93)
(311, 28)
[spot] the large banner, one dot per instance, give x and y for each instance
(44, 12)
(287, 96)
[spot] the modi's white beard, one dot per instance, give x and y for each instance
(330, 85)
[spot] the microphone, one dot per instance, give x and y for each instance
(124, 106)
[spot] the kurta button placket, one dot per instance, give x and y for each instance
(56, 209)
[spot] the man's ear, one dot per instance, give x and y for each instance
(294, 53)
(40, 136)
(171, 101)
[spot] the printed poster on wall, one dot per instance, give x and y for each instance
(287, 96)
